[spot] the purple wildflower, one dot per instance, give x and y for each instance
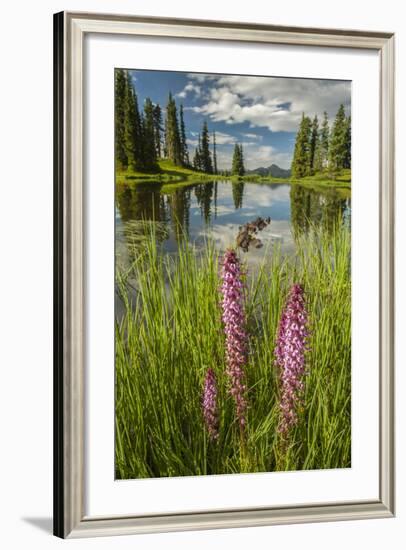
(234, 327)
(290, 356)
(209, 404)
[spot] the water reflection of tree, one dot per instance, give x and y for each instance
(311, 207)
(238, 193)
(179, 207)
(204, 197)
(140, 202)
(139, 206)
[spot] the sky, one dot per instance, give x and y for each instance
(261, 112)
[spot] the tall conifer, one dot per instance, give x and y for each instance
(120, 84)
(347, 157)
(183, 143)
(237, 167)
(132, 128)
(206, 162)
(150, 159)
(172, 134)
(337, 149)
(324, 140)
(158, 130)
(314, 140)
(301, 157)
(214, 154)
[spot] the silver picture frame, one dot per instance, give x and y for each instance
(70, 30)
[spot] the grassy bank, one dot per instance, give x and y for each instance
(169, 174)
(171, 333)
(340, 180)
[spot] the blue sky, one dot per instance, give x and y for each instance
(262, 113)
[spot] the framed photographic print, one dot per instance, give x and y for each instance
(224, 296)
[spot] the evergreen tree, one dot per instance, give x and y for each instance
(347, 157)
(338, 148)
(324, 141)
(214, 154)
(132, 128)
(318, 162)
(241, 167)
(183, 142)
(301, 157)
(206, 164)
(314, 140)
(172, 134)
(148, 137)
(158, 130)
(237, 168)
(120, 85)
(197, 160)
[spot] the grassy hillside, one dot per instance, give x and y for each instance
(167, 172)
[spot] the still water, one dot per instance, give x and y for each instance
(219, 208)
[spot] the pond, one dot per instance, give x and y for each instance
(218, 209)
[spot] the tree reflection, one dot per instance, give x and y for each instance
(310, 207)
(139, 202)
(204, 197)
(139, 206)
(179, 206)
(238, 193)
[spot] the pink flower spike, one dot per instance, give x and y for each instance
(209, 404)
(290, 351)
(234, 327)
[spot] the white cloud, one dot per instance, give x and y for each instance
(189, 88)
(252, 136)
(224, 139)
(221, 139)
(275, 103)
(201, 78)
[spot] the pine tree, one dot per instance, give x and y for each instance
(337, 149)
(158, 130)
(324, 141)
(241, 167)
(132, 128)
(347, 157)
(197, 160)
(183, 143)
(150, 159)
(214, 154)
(301, 157)
(318, 162)
(120, 84)
(314, 141)
(172, 134)
(206, 163)
(237, 168)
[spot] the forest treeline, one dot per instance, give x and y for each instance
(321, 149)
(143, 136)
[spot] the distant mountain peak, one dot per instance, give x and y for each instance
(273, 170)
